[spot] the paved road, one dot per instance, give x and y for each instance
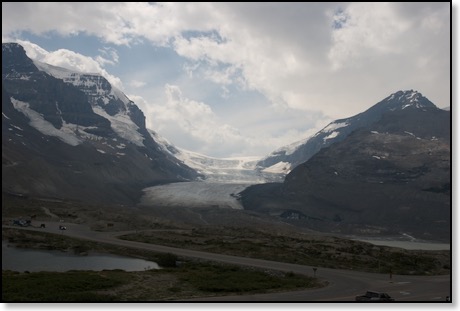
(344, 285)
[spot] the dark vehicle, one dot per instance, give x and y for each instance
(42, 226)
(62, 228)
(374, 296)
(22, 223)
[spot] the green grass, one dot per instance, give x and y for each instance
(71, 286)
(232, 279)
(191, 279)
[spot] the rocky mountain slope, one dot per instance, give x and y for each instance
(389, 177)
(73, 135)
(288, 157)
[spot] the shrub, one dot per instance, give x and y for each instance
(167, 260)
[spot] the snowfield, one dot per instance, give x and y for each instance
(194, 194)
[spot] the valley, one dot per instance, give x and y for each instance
(76, 151)
(383, 172)
(220, 187)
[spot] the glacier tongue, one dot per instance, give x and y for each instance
(194, 194)
(224, 179)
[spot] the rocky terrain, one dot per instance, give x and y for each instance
(391, 177)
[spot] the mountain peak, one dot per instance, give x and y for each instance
(408, 102)
(15, 60)
(405, 99)
(11, 47)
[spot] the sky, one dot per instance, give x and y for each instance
(243, 79)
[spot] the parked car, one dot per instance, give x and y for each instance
(22, 223)
(62, 228)
(374, 296)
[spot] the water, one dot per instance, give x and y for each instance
(410, 245)
(19, 259)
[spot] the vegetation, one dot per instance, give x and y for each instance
(191, 279)
(167, 260)
(54, 286)
(233, 279)
(188, 278)
(321, 251)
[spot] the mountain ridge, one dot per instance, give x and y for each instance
(81, 121)
(299, 152)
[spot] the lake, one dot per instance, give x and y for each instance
(410, 245)
(32, 260)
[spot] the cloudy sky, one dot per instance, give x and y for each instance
(242, 79)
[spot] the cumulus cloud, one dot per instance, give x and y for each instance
(292, 53)
(108, 56)
(137, 83)
(366, 29)
(331, 59)
(188, 123)
(193, 125)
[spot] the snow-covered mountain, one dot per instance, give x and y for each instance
(106, 101)
(286, 158)
(71, 134)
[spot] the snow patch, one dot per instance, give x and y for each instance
(406, 105)
(57, 72)
(280, 167)
(120, 95)
(291, 148)
(38, 122)
(411, 134)
(122, 124)
(101, 151)
(4, 115)
(90, 83)
(332, 135)
(334, 126)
